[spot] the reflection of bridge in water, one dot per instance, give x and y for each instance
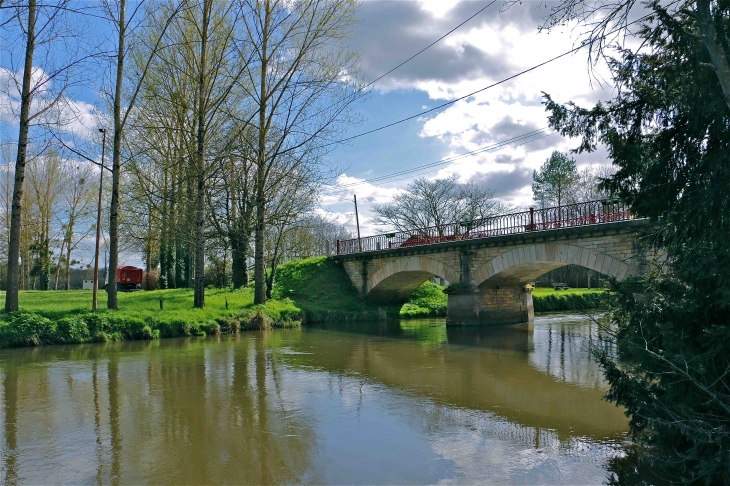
(494, 259)
(492, 369)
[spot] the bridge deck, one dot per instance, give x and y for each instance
(534, 220)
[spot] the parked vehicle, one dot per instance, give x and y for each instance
(129, 278)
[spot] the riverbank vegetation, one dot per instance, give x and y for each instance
(62, 317)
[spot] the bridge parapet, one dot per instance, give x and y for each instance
(535, 220)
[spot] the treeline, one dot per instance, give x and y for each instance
(218, 117)
(59, 214)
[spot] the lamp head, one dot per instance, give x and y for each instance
(102, 130)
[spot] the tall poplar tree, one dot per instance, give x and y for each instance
(47, 39)
(301, 84)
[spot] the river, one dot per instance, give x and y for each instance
(393, 402)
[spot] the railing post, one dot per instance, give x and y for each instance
(338, 247)
(532, 219)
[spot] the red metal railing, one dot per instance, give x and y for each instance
(580, 214)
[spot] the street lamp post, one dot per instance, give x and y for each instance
(98, 225)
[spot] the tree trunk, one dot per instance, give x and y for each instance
(13, 283)
(271, 279)
(238, 263)
(68, 266)
(180, 256)
(112, 302)
(259, 264)
(164, 243)
(199, 295)
(58, 267)
(714, 47)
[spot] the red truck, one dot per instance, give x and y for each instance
(129, 278)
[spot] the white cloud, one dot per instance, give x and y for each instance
(68, 115)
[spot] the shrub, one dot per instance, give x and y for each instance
(96, 323)
(428, 300)
(72, 330)
(134, 328)
(27, 329)
(562, 302)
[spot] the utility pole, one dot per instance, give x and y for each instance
(98, 226)
(357, 220)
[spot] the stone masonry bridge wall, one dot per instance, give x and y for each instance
(492, 273)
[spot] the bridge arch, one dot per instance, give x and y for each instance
(396, 280)
(522, 265)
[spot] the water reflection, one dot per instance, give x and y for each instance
(410, 402)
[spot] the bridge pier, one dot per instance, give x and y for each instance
(493, 305)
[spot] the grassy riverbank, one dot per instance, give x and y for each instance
(323, 292)
(313, 290)
(56, 317)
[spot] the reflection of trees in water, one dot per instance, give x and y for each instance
(563, 349)
(187, 411)
(10, 423)
(179, 411)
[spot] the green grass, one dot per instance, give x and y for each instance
(177, 303)
(53, 317)
(323, 292)
(429, 300)
(544, 292)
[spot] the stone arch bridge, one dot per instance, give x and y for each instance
(490, 274)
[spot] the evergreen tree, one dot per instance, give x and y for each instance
(554, 183)
(668, 132)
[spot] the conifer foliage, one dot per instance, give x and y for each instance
(668, 134)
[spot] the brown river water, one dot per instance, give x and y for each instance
(372, 403)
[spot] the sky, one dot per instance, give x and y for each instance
(498, 43)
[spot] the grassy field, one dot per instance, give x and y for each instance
(58, 317)
(544, 292)
(176, 302)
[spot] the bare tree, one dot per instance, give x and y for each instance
(426, 203)
(126, 25)
(301, 85)
(232, 209)
(294, 197)
(589, 186)
(78, 193)
(45, 180)
(46, 35)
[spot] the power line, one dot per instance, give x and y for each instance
(429, 46)
(514, 145)
(443, 105)
(454, 157)
(523, 138)
(357, 92)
